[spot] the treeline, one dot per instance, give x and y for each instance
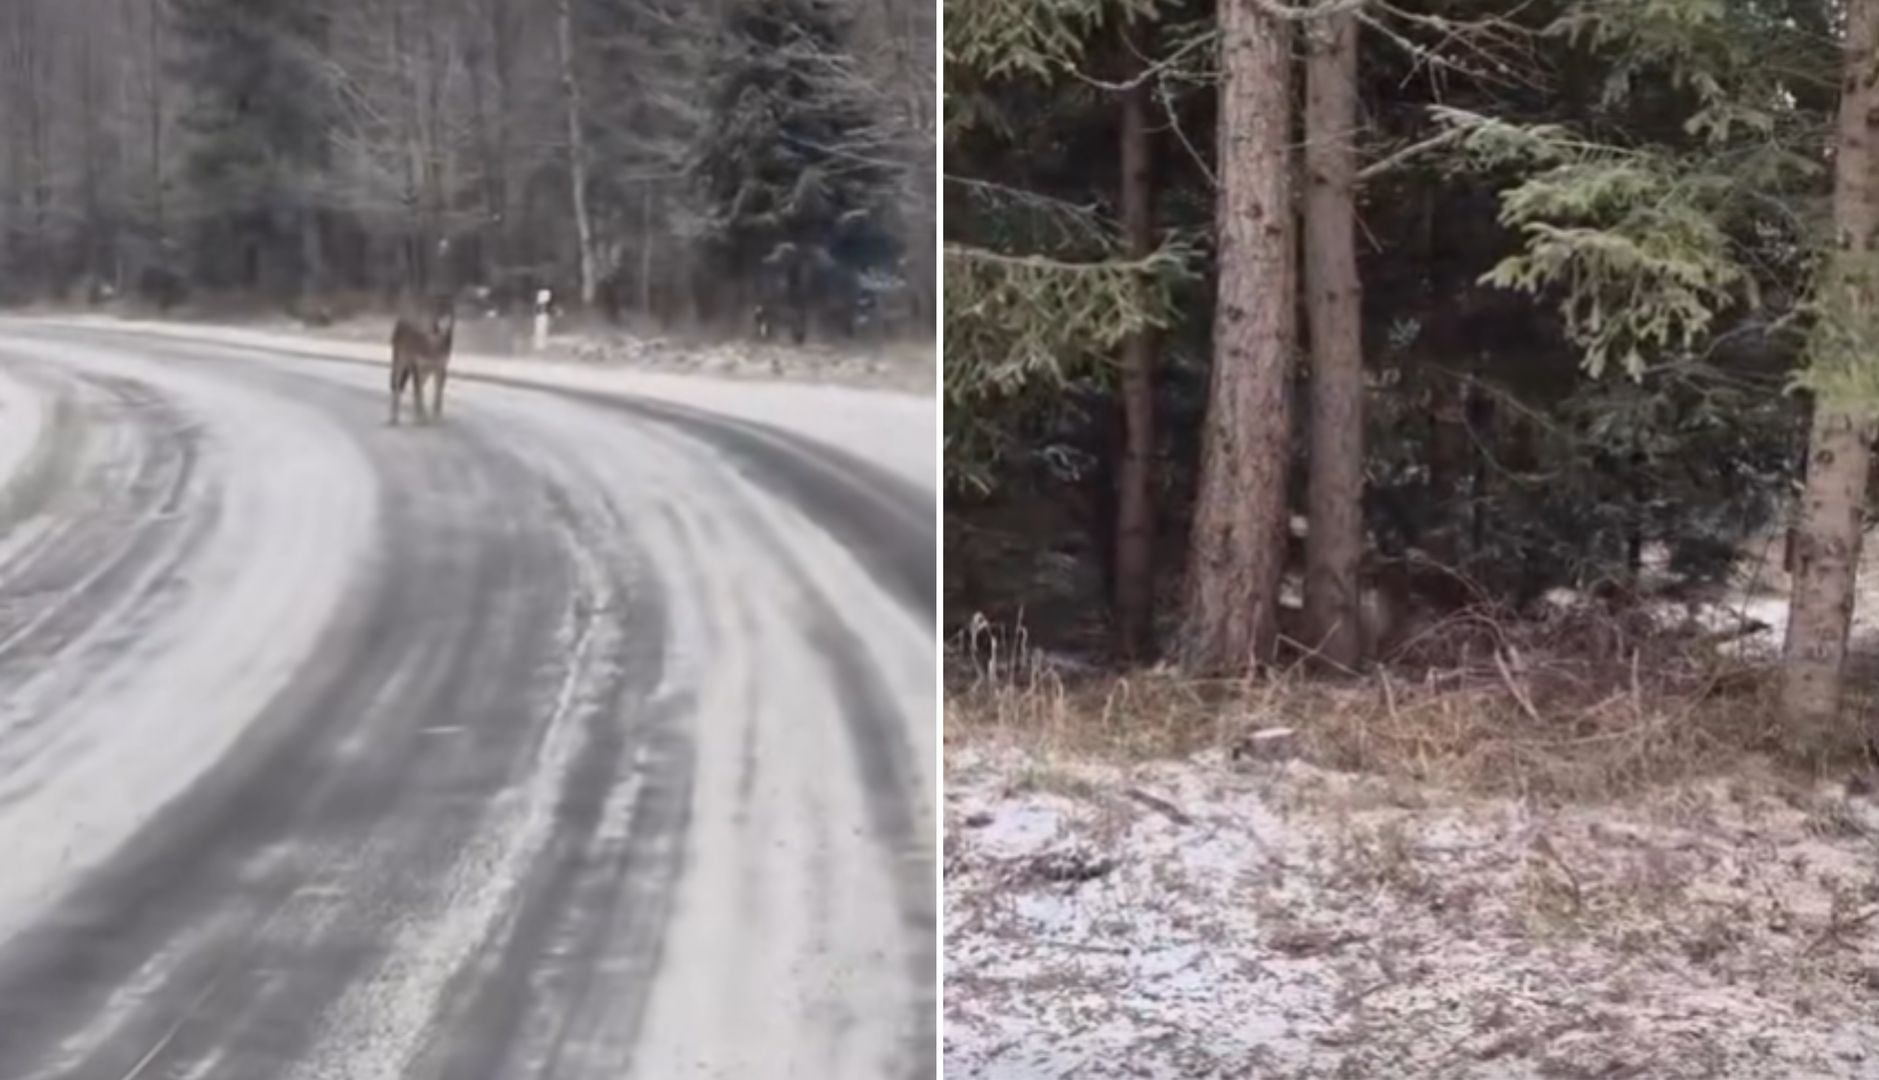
(1568, 293)
(674, 161)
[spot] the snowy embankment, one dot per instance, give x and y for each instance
(1241, 919)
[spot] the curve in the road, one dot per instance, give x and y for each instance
(565, 739)
(885, 522)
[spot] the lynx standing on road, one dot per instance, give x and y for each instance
(418, 353)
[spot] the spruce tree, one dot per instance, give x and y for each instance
(258, 125)
(794, 201)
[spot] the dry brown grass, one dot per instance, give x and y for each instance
(1588, 707)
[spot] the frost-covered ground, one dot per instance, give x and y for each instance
(902, 366)
(560, 733)
(1241, 919)
(893, 429)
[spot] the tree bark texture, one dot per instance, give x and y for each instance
(1827, 542)
(1333, 303)
(1236, 550)
(1135, 501)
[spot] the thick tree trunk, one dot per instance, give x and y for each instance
(1135, 503)
(1333, 308)
(1236, 551)
(577, 151)
(1839, 450)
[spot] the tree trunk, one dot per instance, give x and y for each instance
(646, 248)
(29, 97)
(577, 151)
(154, 43)
(91, 207)
(1333, 303)
(502, 78)
(1236, 551)
(1839, 451)
(437, 183)
(313, 276)
(1135, 503)
(487, 163)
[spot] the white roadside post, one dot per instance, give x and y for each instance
(542, 300)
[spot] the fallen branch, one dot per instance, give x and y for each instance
(1507, 677)
(1160, 805)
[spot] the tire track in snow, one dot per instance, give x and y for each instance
(87, 562)
(478, 837)
(807, 898)
(139, 656)
(417, 732)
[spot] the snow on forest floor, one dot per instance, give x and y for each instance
(1221, 918)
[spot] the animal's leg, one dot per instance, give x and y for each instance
(417, 393)
(398, 374)
(437, 394)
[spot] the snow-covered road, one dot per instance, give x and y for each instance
(587, 734)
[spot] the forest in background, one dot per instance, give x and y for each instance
(663, 161)
(1490, 302)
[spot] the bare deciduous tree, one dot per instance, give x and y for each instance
(324, 150)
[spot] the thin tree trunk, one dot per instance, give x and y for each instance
(646, 250)
(438, 182)
(91, 235)
(487, 163)
(154, 43)
(502, 63)
(313, 281)
(1333, 308)
(1135, 501)
(1442, 525)
(411, 152)
(577, 151)
(1839, 452)
(1236, 551)
(31, 98)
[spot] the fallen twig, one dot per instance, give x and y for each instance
(1520, 697)
(1164, 807)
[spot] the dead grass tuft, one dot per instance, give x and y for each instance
(1000, 688)
(1587, 707)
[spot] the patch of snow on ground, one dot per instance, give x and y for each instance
(23, 417)
(1208, 919)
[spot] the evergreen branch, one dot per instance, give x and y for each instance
(1413, 150)
(1153, 69)
(851, 156)
(1073, 218)
(1045, 262)
(1187, 144)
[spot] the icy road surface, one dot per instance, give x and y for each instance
(586, 734)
